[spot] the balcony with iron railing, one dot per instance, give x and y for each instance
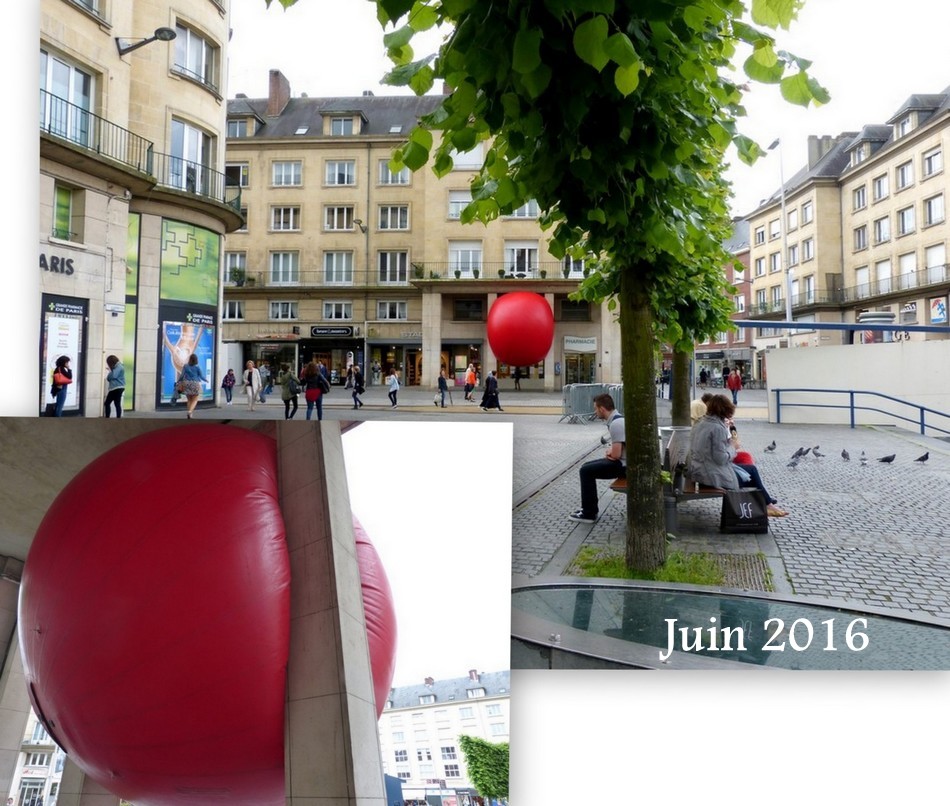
(550, 270)
(192, 177)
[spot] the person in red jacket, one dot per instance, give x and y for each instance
(734, 384)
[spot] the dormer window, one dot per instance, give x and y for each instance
(426, 699)
(341, 127)
(859, 154)
(237, 127)
(904, 126)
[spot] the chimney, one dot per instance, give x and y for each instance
(430, 681)
(818, 147)
(278, 93)
(473, 675)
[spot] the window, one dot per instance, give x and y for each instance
(776, 297)
(235, 267)
(391, 310)
(341, 172)
(933, 210)
(337, 310)
(493, 710)
(792, 219)
(402, 755)
(195, 57)
(283, 310)
(237, 174)
(738, 302)
(810, 289)
(775, 228)
(468, 310)
(465, 257)
(499, 728)
(242, 227)
(574, 267)
(37, 760)
(68, 213)
(572, 311)
(880, 187)
(903, 126)
(905, 221)
(808, 212)
(39, 734)
(759, 266)
(760, 300)
(387, 177)
(237, 128)
(393, 267)
(882, 229)
(394, 216)
(808, 249)
(907, 267)
(775, 262)
(862, 282)
(904, 175)
(426, 699)
(473, 693)
(521, 258)
(92, 6)
(759, 235)
(449, 753)
(466, 712)
(337, 218)
(341, 127)
(452, 771)
(188, 169)
(458, 200)
(936, 260)
(859, 198)
(405, 776)
(284, 268)
(882, 273)
(859, 154)
(860, 237)
(398, 736)
(65, 99)
(932, 162)
(233, 309)
(287, 173)
(467, 160)
(527, 210)
(793, 255)
(285, 219)
(426, 770)
(423, 753)
(338, 267)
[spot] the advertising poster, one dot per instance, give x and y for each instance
(938, 311)
(190, 260)
(63, 334)
(179, 340)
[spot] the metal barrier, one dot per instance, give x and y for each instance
(577, 401)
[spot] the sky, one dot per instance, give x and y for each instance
(435, 500)
(868, 56)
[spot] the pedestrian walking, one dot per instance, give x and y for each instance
(252, 384)
(266, 385)
(315, 387)
(734, 383)
(62, 377)
(358, 388)
(443, 386)
(227, 383)
(471, 380)
(190, 383)
(517, 377)
(490, 397)
(289, 390)
(115, 379)
(393, 383)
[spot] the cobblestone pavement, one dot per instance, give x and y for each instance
(873, 533)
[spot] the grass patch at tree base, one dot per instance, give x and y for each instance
(691, 569)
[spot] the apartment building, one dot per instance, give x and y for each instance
(420, 727)
(39, 767)
(860, 230)
(133, 200)
(346, 261)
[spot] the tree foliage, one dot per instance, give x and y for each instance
(487, 766)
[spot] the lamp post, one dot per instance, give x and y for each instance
(160, 35)
(784, 224)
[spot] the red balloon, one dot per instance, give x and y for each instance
(154, 618)
(520, 328)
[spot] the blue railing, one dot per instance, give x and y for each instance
(852, 406)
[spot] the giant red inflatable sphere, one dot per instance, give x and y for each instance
(520, 328)
(154, 618)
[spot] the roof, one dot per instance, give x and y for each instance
(383, 114)
(918, 103)
(454, 690)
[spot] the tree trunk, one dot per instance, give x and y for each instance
(681, 392)
(646, 532)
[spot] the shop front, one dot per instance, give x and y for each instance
(337, 347)
(580, 359)
(404, 353)
(456, 355)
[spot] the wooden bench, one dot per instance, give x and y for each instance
(682, 488)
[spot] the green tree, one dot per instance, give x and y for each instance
(487, 766)
(616, 116)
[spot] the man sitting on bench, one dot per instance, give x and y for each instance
(612, 466)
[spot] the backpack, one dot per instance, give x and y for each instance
(293, 386)
(323, 383)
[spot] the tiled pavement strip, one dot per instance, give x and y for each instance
(878, 534)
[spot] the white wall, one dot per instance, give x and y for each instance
(915, 371)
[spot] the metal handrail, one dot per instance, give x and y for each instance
(64, 120)
(852, 407)
(355, 278)
(193, 177)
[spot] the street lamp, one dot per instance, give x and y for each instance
(784, 225)
(160, 35)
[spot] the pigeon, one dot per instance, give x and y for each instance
(845, 455)
(814, 452)
(793, 462)
(798, 454)
(771, 447)
(815, 448)
(805, 452)
(864, 459)
(888, 459)
(923, 458)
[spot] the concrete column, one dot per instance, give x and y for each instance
(431, 338)
(552, 383)
(14, 701)
(489, 361)
(332, 755)
(76, 789)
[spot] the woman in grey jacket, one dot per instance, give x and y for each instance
(712, 451)
(116, 382)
